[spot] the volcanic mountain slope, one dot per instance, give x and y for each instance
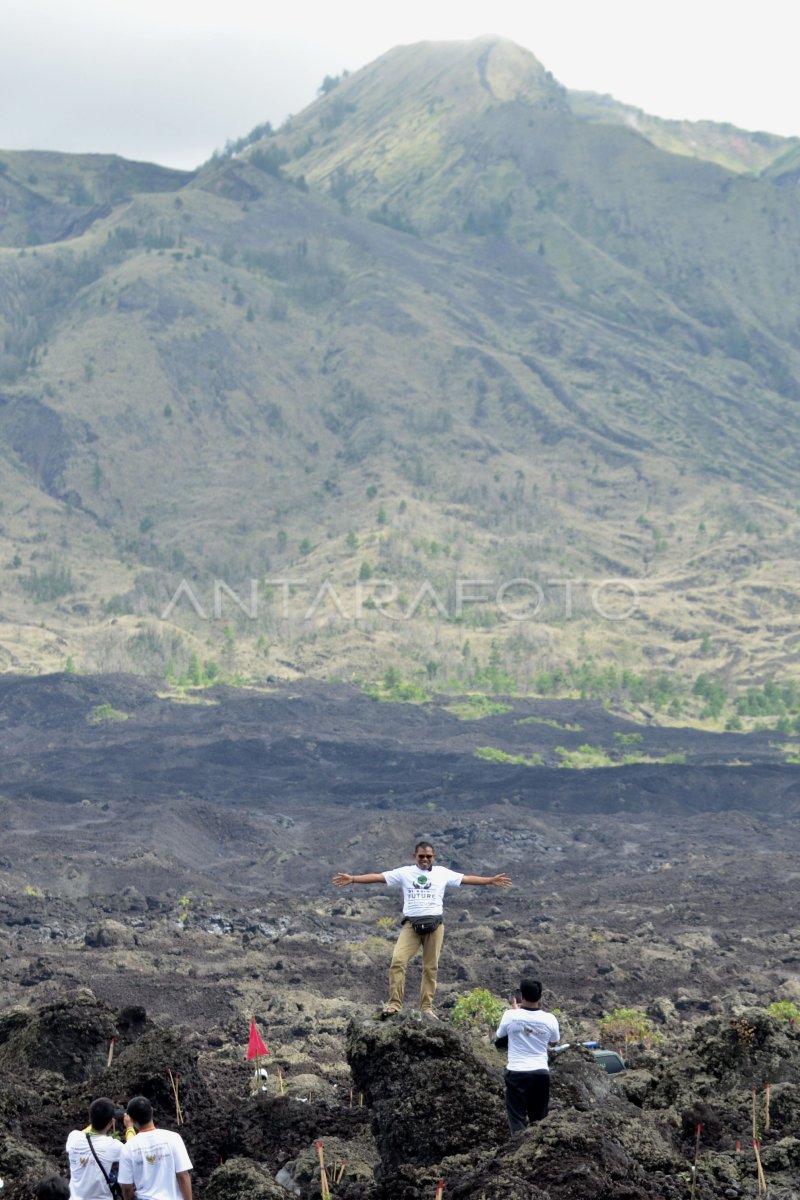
(441, 326)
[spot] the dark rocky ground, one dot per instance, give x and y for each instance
(165, 876)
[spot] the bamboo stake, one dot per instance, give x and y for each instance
(755, 1127)
(351, 1097)
(440, 1190)
(338, 1178)
(693, 1193)
(762, 1183)
(280, 1081)
(325, 1190)
(766, 1106)
(110, 1052)
(360, 1099)
(173, 1079)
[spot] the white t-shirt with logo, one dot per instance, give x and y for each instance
(151, 1161)
(423, 889)
(529, 1031)
(86, 1180)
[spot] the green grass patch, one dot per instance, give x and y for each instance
(394, 688)
(473, 708)
(492, 754)
(105, 712)
(584, 756)
(677, 756)
(629, 739)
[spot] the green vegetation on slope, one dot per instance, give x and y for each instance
(442, 377)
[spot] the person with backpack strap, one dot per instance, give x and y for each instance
(424, 885)
(94, 1153)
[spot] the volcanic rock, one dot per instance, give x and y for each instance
(239, 1177)
(429, 1094)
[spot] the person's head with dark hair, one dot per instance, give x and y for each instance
(102, 1112)
(140, 1110)
(52, 1188)
(531, 990)
(424, 855)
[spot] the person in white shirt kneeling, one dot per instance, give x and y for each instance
(526, 1031)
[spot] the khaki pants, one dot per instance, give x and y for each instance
(407, 945)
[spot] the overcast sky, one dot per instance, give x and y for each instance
(171, 80)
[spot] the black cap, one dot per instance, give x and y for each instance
(102, 1111)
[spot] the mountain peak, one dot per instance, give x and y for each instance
(462, 78)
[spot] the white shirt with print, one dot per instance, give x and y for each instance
(86, 1180)
(423, 888)
(151, 1161)
(529, 1031)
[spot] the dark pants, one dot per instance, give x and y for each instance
(527, 1097)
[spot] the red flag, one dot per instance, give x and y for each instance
(255, 1046)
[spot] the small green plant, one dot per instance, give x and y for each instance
(478, 1009)
(784, 1010)
(105, 712)
(30, 890)
(386, 922)
(183, 909)
(492, 754)
(629, 739)
(622, 1026)
(395, 688)
(585, 756)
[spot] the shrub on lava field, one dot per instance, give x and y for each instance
(784, 1010)
(624, 1026)
(477, 1009)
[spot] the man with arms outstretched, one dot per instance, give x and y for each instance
(424, 886)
